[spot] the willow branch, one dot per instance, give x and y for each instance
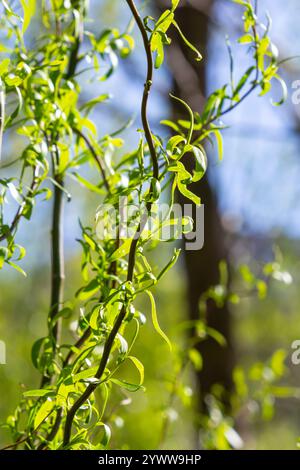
(57, 249)
(96, 157)
(2, 114)
(253, 87)
(132, 254)
(57, 243)
(147, 87)
(57, 258)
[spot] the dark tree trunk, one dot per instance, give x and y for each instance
(202, 266)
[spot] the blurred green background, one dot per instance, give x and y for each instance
(256, 198)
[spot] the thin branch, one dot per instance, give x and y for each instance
(96, 157)
(251, 89)
(131, 260)
(2, 114)
(57, 258)
(147, 88)
(57, 243)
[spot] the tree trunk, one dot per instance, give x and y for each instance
(202, 266)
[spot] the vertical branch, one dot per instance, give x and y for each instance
(147, 87)
(57, 251)
(2, 114)
(57, 257)
(57, 243)
(132, 254)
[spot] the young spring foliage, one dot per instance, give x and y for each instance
(41, 91)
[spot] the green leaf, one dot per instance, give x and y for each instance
(18, 108)
(77, 441)
(126, 385)
(13, 80)
(262, 288)
(88, 291)
(17, 268)
(183, 177)
(196, 359)
(171, 124)
(36, 351)
(89, 105)
(217, 336)
(107, 434)
(85, 374)
(170, 264)
(87, 183)
(159, 49)
(4, 65)
(242, 82)
(38, 393)
(277, 362)
(246, 39)
(201, 163)
(15, 193)
(247, 275)
(187, 193)
(159, 37)
(94, 318)
(219, 140)
(173, 144)
(139, 367)
(29, 7)
(187, 43)
(65, 312)
(192, 119)
(155, 320)
(154, 191)
(123, 345)
(122, 251)
(285, 392)
(44, 411)
(164, 22)
(284, 91)
(175, 4)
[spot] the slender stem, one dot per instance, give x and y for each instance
(53, 431)
(131, 260)
(147, 87)
(108, 345)
(96, 157)
(92, 387)
(57, 249)
(2, 114)
(248, 92)
(57, 258)
(57, 243)
(232, 107)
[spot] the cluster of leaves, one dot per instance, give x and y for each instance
(69, 410)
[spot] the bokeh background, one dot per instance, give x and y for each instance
(252, 212)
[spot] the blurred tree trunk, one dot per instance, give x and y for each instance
(202, 266)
